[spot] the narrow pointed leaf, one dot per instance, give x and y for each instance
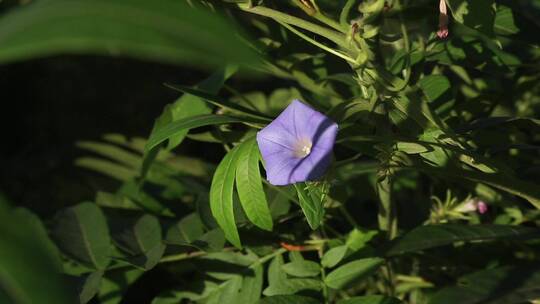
(352, 272)
(249, 186)
(221, 196)
(313, 209)
(425, 237)
(220, 102)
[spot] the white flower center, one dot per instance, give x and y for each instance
(303, 149)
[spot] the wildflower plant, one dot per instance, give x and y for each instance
(308, 165)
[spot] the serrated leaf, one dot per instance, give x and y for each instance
(249, 186)
(303, 268)
(162, 31)
(82, 232)
(221, 196)
(425, 237)
(352, 272)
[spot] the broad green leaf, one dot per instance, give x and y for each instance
(195, 291)
(221, 196)
(352, 272)
(504, 21)
(213, 240)
(115, 283)
(252, 285)
(275, 275)
(357, 238)
(503, 285)
(333, 256)
(412, 148)
(373, 299)
(162, 31)
(142, 240)
(30, 270)
(187, 230)
(288, 299)
(81, 231)
(228, 292)
(88, 286)
(292, 286)
(313, 208)
(425, 237)
(434, 86)
(302, 268)
(249, 186)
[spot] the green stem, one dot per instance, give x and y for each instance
(318, 44)
(345, 12)
(331, 35)
(311, 8)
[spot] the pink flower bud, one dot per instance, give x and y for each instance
(481, 207)
(443, 20)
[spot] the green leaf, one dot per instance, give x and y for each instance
(221, 196)
(373, 299)
(352, 272)
(313, 208)
(190, 105)
(252, 285)
(185, 231)
(503, 285)
(504, 21)
(220, 102)
(142, 240)
(82, 232)
(30, 270)
(114, 284)
(288, 300)
(89, 286)
(249, 186)
(434, 86)
(333, 256)
(162, 31)
(179, 126)
(425, 237)
(303, 268)
(292, 286)
(412, 148)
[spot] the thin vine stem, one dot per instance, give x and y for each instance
(336, 37)
(318, 44)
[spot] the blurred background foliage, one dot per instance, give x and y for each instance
(102, 204)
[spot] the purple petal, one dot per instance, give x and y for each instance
(297, 145)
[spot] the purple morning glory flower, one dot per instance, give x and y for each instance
(297, 145)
